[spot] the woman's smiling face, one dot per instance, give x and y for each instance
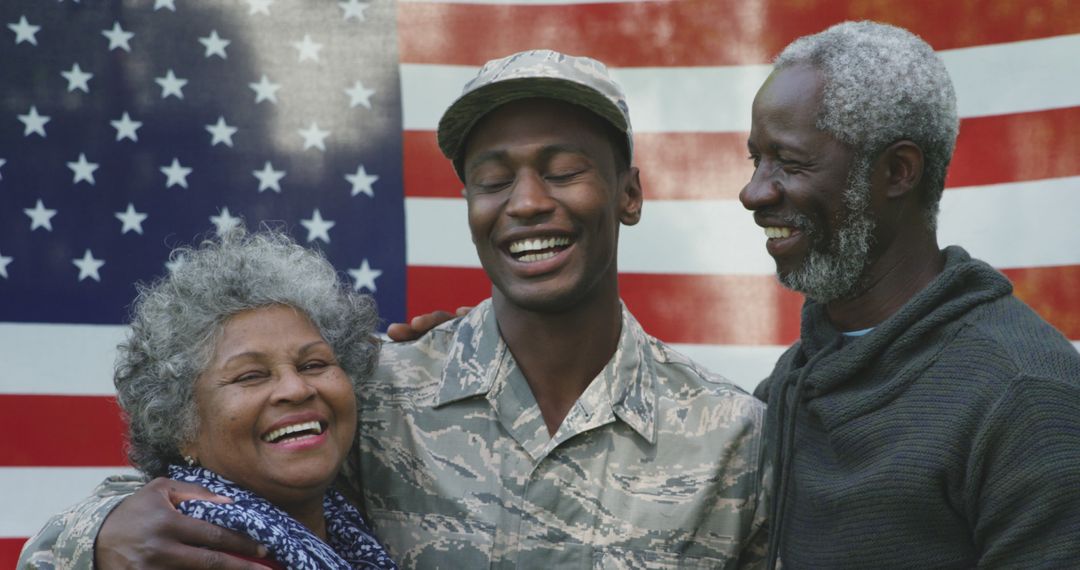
(277, 414)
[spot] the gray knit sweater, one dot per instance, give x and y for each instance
(948, 437)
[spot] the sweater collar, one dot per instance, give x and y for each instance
(963, 284)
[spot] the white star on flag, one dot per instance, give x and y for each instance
(34, 122)
(4, 261)
(354, 9)
(77, 79)
(125, 128)
(40, 216)
(176, 174)
(269, 179)
(317, 227)
(364, 276)
(314, 136)
(215, 45)
(359, 95)
(118, 37)
(362, 181)
(171, 85)
(24, 31)
(259, 7)
(224, 221)
(265, 90)
(88, 266)
(307, 49)
(131, 220)
(170, 4)
(84, 170)
(221, 133)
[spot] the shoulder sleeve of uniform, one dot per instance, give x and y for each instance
(67, 539)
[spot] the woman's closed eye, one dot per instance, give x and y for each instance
(314, 366)
(251, 376)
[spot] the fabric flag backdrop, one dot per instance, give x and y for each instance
(130, 127)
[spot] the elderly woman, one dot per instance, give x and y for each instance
(240, 376)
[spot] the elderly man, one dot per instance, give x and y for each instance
(546, 428)
(926, 418)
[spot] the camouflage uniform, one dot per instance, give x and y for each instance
(67, 540)
(655, 466)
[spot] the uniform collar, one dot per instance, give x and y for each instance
(627, 387)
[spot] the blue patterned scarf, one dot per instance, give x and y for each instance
(351, 543)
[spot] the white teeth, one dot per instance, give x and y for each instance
(538, 244)
(531, 257)
(281, 431)
(774, 232)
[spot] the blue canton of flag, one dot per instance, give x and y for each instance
(127, 128)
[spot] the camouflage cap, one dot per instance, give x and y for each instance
(536, 73)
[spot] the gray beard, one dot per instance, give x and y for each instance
(834, 268)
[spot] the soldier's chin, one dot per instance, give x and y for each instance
(545, 302)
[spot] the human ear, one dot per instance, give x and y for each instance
(904, 168)
(630, 196)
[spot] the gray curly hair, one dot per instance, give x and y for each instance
(177, 320)
(883, 84)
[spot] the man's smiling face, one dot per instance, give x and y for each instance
(809, 191)
(546, 198)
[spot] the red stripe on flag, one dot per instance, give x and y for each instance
(1017, 147)
(67, 431)
(713, 309)
(1052, 292)
(427, 172)
(703, 32)
(730, 309)
(692, 166)
(9, 551)
(444, 288)
(711, 166)
(694, 309)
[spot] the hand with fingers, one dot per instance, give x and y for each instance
(146, 531)
(420, 325)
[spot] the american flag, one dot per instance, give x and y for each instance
(129, 127)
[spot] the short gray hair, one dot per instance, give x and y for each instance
(883, 84)
(177, 320)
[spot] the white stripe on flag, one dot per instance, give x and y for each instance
(993, 79)
(1016, 77)
(30, 352)
(718, 237)
(1021, 224)
(31, 495)
(744, 366)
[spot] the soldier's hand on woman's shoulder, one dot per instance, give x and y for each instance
(420, 325)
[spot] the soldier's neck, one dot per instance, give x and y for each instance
(560, 353)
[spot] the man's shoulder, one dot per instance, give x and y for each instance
(679, 374)
(1008, 332)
